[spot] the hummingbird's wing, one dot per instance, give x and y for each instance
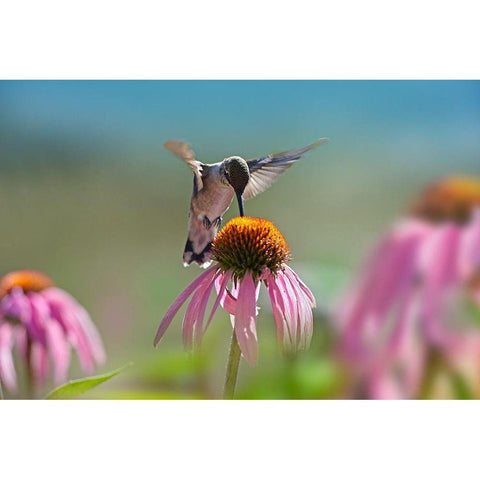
(183, 150)
(266, 170)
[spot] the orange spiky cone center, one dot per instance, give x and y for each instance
(451, 199)
(27, 280)
(248, 244)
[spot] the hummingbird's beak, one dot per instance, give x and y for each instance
(240, 204)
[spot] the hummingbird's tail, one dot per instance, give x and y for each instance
(199, 243)
(203, 258)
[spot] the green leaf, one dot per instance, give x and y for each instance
(74, 388)
(460, 387)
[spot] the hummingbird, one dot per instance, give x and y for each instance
(216, 184)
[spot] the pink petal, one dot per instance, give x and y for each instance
(177, 304)
(75, 334)
(440, 274)
(407, 310)
(8, 375)
(59, 350)
(289, 308)
(91, 332)
(398, 370)
(469, 255)
(384, 386)
(203, 306)
(228, 300)
(17, 304)
(390, 269)
(196, 308)
(38, 362)
(304, 312)
(284, 340)
(21, 340)
(357, 305)
(224, 277)
(53, 339)
(245, 320)
(398, 273)
(290, 273)
(79, 328)
(40, 314)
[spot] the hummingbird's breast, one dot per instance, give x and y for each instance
(214, 198)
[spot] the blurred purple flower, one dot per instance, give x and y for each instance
(43, 321)
(396, 315)
(248, 251)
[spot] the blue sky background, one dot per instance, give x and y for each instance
(401, 121)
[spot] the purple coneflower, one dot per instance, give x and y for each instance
(396, 318)
(43, 322)
(248, 251)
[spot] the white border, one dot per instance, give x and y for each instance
(249, 39)
(239, 440)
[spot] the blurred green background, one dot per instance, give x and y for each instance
(90, 197)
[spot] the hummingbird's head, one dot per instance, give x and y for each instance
(237, 173)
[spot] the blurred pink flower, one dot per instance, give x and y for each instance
(43, 321)
(248, 251)
(397, 312)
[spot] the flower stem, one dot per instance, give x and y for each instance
(232, 368)
(1, 391)
(234, 353)
(433, 364)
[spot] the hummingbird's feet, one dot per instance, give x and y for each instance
(217, 222)
(208, 224)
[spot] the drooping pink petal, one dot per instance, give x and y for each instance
(440, 273)
(78, 327)
(289, 308)
(399, 274)
(245, 320)
(40, 314)
(290, 273)
(382, 385)
(8, 375)
(355, 309)
(201, 315)
(177, 304)
(21, 341)
(17, 305)
(91, 332)
(59, 350)
(223, 278)
(398, 367)
(283, 336)
(38, 348)
(228, 298)
(74, 332)
(404, 318)
(196, 308)
(304, 312)
(53, 338)
(469, 254)
(390, 268)
(38, 362)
